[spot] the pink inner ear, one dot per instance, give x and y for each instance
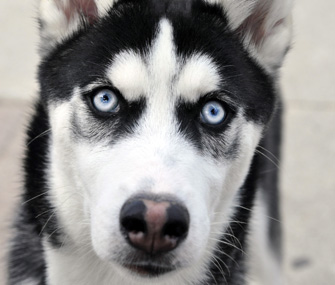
(86, 8)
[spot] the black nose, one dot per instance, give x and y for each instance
(154, 225)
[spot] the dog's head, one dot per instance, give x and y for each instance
(156, 108)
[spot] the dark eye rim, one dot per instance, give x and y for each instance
(90, 101)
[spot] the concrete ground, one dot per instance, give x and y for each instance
(308, 166)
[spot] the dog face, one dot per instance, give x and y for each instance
(158, 104)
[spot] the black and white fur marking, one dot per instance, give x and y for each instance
(163, 60)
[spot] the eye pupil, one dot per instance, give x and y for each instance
(214, 111)
(104, 98)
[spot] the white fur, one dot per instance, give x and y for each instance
(66, 193)
(91, 181)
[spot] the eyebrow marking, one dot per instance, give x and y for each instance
(129, 75)
(198, 76)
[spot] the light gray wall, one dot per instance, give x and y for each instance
(18, 49)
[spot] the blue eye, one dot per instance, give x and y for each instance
(213, 113)
(106, 101)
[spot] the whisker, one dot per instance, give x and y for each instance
(218, 266)
(267, 157)
(226, 254)
(229, 222)
(214, 279)
(248, 209)
(38, 136)
(229, 244)
(267, 171)
(58, 228)
(234, 237)
(269, 152)
(40, 214)
(39, 195)
(54, 212)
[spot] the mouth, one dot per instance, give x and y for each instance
(148, 270)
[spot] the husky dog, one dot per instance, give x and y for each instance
(145, 159)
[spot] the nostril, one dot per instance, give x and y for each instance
(133, 224)
(175, 229)
(177, 222)
(132, 217)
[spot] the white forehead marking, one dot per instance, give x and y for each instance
(163, 63)
(198, 76)
(161, 75)
(162, 68)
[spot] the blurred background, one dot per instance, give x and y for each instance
(308, 162)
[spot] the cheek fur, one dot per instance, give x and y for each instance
(66, 185)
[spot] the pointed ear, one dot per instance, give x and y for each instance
(264, 27)
(60, 18)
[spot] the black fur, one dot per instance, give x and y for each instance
(26, 259)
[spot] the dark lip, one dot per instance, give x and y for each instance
(149, 270)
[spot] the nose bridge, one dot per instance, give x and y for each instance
(158, 136)
(152, 163)
(159, 121)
